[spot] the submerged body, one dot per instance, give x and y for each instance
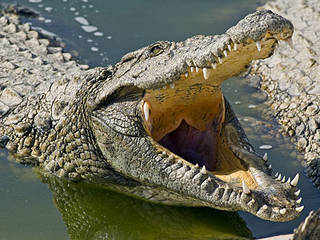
(155, 125)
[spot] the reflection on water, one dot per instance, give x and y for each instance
(92, 212)
(101, 32)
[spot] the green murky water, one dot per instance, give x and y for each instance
(100, 31)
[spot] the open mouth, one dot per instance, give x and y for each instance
(186, 117)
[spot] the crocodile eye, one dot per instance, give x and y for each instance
(156, 50)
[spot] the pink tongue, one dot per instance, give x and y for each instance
(193, 145)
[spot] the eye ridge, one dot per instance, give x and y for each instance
(156, 50)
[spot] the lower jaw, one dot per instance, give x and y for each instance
(208, 149)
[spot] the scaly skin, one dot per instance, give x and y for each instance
(105, 125)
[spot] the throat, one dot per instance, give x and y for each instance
(193, 145)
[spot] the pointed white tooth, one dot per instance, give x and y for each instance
(297, 193)
(279, 177)
(251, 202)
(290, 43)
(294, 181)
(196, 166)
(191, 69)
(265, 157)
(146, 110)
(229, 47)
(203, 170)
(299, 209)
(283, 211)
(258, 44)
(276, 175)
(270, 167)
(172, 85)
(219, 59)
(214, 65)
(186, 74)
(289, 180)
(235, 46)
(264, 207)
(205, 73)
(197, 69)
(283, 179)
(276, 209)
(299, 200)
(245, 187)
(225, 53)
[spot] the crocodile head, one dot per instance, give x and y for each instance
(162, 120)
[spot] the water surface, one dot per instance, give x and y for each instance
(100, 32)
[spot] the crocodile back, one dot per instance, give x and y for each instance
(30, 64)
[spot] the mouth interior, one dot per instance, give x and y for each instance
(193, 145)
(187, 117)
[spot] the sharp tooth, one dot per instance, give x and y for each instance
(172, 85)
(279, 177)
(297, 193)
(245, 188)
(251, 202)
(299, 209)
(146, 110)
(205, 73)
(283, 211)
(258, 44)
(191, 69)
(265, 157)
(264, 207)
(270, 167)
(186, 74)
(299, 200)
(196, 166)
(294, 181)
(235, 46)
(289, 180)
(203, 170)
(276, 175)
(229, 47)
(225, 53)
(197, 69)
(283, 179)
(219, 59)
(276, 210)
(180, 161)
(214, 65)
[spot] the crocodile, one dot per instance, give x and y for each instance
(155, 125)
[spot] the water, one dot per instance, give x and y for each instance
(100, 32)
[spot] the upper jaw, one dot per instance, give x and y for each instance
(254, 37)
